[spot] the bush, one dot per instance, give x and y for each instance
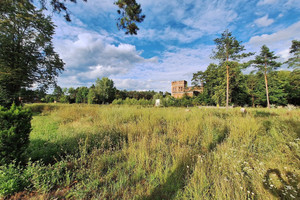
(12, 179)
(15, 127)
(43, 177)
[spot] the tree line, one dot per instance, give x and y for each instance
(102, 92)
(225, 82)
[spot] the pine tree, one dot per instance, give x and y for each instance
(265, 62)
(228, 48)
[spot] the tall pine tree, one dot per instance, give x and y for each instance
(265, 62)
(294, 61)
(228, 49)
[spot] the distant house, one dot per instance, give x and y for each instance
(180, 88)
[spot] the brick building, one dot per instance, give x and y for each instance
(180, 88)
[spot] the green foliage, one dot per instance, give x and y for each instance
(105, 90)
(293, 88)
(57, 92)
(251, 81)
(266, 62)
(130, 14)
(92, 96)
(15, 127)
(43, 177)
(132, 101)
(81, 95)
(227, 47)
(12, 179)
(214, 83)
(279, 81)
(294, 61)
(27, 54)
(36, 176)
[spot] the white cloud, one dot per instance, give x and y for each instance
(89, 54)
(280, 4)
(293, 3)
(266, 2)
(185, 21)
(70, 81)
(279, 42)
(101, 71)
(280, 15)
(289, 33)
(264, 21)
(139, 85)
(175, 64)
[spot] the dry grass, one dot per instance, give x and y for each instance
(132, 152)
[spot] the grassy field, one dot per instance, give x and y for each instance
(132, 152)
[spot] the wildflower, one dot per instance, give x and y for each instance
(187, 166)
(252, 193)
(288, 187)
(292, 196)
(241, 188)
(248, 192)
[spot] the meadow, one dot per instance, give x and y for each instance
(83, 151)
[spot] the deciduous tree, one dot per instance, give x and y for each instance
(105, 90)
(27, 55)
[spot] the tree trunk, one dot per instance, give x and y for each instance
(227, 88)
(266, 81)
(227, 73)
(253, 101)
(267, 91)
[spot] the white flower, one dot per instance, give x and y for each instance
(288, 187)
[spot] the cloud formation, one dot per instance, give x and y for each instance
(89, 55)
(279, 41)
(264, 21)
(266, 2)
(174, 41)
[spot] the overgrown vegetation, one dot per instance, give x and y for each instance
(15, 127)
(134, 152)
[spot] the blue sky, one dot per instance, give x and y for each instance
(174, 41)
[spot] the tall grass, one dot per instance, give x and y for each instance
(132, 152)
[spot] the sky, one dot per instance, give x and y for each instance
(175, 40)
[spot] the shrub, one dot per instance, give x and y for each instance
(117, 102)
(43, 177)
(12, 179)
(15, 127)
